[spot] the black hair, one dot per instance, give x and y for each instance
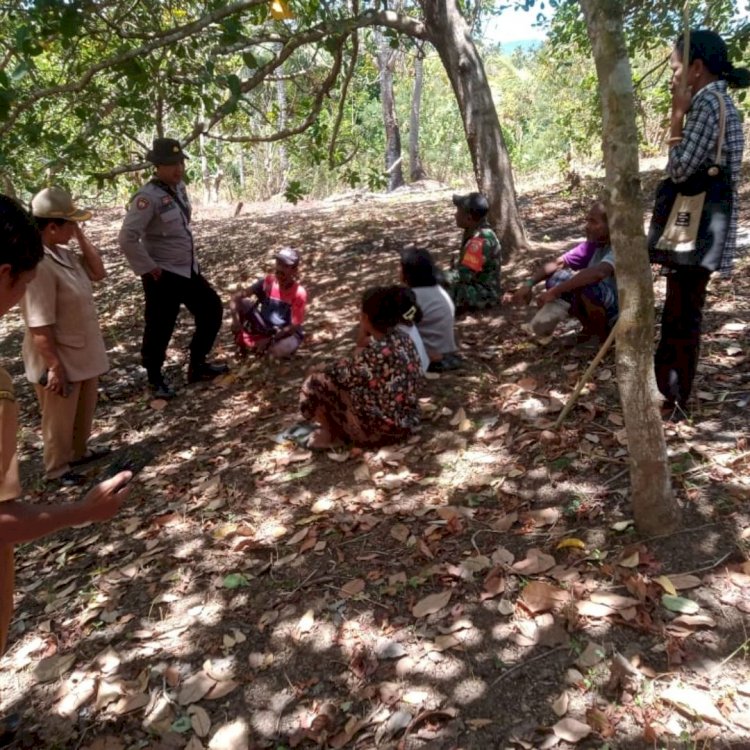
(708, 46)
(411, 313)
(384, 307)
(20, 242)
(42, 222)
(418, 267)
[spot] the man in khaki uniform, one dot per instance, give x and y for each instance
(63, 350)
(20, 252)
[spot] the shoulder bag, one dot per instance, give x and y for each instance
(690, 221)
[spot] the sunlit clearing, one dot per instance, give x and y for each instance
(188, 548)
(469, 690)
(211, 614)
(501, 631)
(324, 637)
(435, 666)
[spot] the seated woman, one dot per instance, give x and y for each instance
(272, 322)
(370, 399)
(410, 317)
(419, 273)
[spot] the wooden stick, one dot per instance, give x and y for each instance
(586, 375)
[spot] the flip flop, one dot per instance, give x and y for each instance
(92, 454)
(296, 433)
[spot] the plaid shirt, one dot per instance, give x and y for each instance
(697, 150)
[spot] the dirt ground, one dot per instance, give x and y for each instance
(480, 587)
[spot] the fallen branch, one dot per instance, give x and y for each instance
(586, 375)
(525, 663)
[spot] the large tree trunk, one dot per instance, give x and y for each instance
(416, 170)
(654, 506)
(393, 167)
(449, 33)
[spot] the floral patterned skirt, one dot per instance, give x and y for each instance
(320, 392)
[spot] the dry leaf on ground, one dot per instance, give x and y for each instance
(693, 702)
(352, 588)
(538, 596)
(571, 730)
(199, 720)
(194, 688)
(590, 656)
(431, 604)
(535, 562)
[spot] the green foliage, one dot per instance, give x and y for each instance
(294, 191)
(83, 92)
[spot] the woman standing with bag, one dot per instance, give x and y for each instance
(699, 94)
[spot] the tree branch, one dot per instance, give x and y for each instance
(325, 88)
(342, 99)
(163, 39)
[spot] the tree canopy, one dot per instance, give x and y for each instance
(85, 86)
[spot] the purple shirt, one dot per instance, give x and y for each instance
(580, 256)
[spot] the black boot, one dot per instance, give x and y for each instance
(205, 371)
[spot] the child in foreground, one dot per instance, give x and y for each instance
(267, 317)
(371, 398)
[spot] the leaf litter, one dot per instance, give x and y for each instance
(360, 586)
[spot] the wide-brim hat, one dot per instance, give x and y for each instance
(165, 151)
(56, 203)
(473, 203)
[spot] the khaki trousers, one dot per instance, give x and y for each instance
(66, 424)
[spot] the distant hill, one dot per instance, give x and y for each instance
(525, 44)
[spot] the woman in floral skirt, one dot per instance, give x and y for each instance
(371, 398)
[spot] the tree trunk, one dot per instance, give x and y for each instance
(386, 60)
(416, 170)
(449, 33)
(282, 104)
(241, 167)
(654, 506)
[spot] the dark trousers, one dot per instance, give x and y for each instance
(163, 299)
(677, 354)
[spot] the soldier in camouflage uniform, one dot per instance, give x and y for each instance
(475, 279)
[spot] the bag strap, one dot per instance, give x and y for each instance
(722, 125)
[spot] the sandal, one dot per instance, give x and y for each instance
(296, 433)
(92, 454)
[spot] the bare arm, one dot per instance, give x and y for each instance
(43, 338)
(584, 277)
(522, 295)
(24, 522)
(91, 258)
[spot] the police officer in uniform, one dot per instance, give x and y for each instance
(158, 243)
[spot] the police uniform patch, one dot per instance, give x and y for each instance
(166, 200)
(141, 203)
